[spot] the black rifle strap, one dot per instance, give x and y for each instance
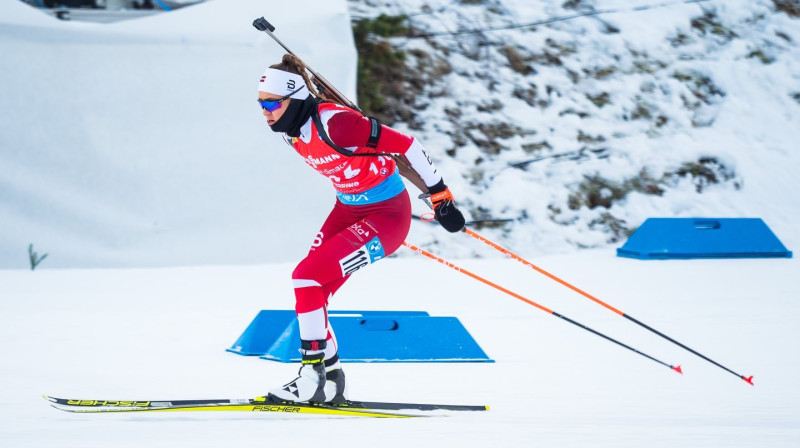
(339, 149)
(374, 132)
(406, 170)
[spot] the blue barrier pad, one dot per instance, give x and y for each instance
(365, 336)
(682, 238)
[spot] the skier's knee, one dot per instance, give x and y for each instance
(302, 270)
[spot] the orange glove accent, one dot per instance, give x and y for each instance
(438, 199)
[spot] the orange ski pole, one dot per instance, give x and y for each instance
(596, 300)
(530, 302)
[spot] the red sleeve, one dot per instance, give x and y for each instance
(350, 128)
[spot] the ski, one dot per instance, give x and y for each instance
(258, 404)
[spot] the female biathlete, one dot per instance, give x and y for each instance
(369, 221)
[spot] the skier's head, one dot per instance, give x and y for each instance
(283, 91)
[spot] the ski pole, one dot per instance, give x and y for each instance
(261, 24)
(530, 302)
(598, 301)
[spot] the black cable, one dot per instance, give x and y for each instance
(553, 19)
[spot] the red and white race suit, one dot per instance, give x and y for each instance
(370, 219)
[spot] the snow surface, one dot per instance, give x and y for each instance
(161, 333)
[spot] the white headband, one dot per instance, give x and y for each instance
(279, 82)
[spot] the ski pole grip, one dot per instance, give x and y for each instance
(261, 24)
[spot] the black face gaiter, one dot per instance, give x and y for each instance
(296, 115)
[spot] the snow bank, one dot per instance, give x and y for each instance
(140, 144)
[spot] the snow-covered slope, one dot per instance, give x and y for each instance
(136, 143)
(140, 144)
(688, 109)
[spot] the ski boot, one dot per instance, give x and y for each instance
(309, 386)
(335, 390)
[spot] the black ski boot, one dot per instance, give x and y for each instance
(335, 391)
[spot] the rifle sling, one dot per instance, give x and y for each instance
(406, 170)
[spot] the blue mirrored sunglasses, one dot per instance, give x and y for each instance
(273, 105)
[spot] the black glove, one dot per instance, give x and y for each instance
(444, 207)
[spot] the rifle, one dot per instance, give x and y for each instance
(329, 91)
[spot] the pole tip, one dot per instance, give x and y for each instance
(749, 380)
(677, 369)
